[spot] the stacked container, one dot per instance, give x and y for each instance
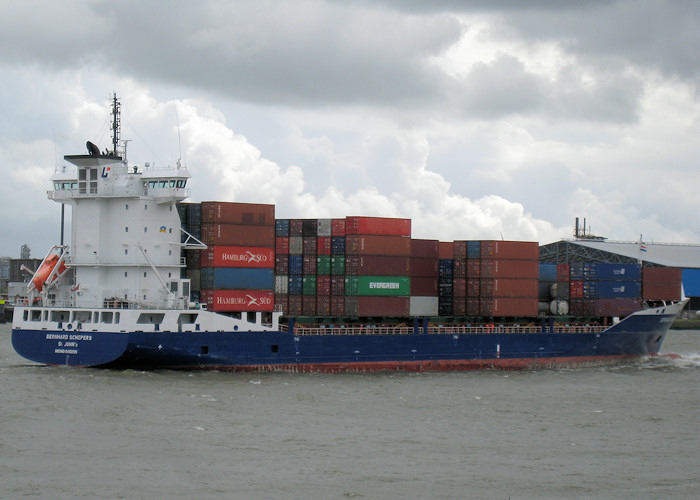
(237, 268)
(604, 289)
(377, 266)
(445, 278)
(661, 283)
(424, 275)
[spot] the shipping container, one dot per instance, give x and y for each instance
(611, 289)
(323, 245)
(338, 265)
(377, 265)
(508, 287)
(295, 285)
(296, 264)
(473, 287)
(606, 271)
(576, 271)
(547, 272)
(282, 227)
(563, 272)
(323, 285)
(509, 268)
(194, 214)
(309, 264)
(282, 303)
(338, 285)
(459, 287)
(324, 227)
(459, 306)
(221, 212)
(616, 307)
(446, 249)
(460, 250)
(337, 305)
(423, 306)
(446, 269)
(560, 290)
(323, 264)
(296, 245)
(662, 276)
(651, 291)
(473, 268)
(308, 286)
(238, 300)
(235, 278)
(497, 249)
(295, 305)
(238, 235)
(424, 267)
(281, 284)
(429, 249)
(308, 305)
(282, 245)
(392, 307)
(235, 256)
(378, 285)
(473, 249)
(309, 227)
(459, 268)
(337, 245)
(424, 287)
(576, 289)
(195, 277)
(281, 264)
(323, 305)
(384, 226)
(508, 306)
(337, 227)
(296, 227)
(377, 245)
(309, 243)
(473, 306)
(193, 259)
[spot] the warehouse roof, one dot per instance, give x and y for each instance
(665, 254)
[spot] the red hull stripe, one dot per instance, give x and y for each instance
(423, 366)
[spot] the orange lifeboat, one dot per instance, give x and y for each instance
(45, 271)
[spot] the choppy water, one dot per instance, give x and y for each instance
(624, 432)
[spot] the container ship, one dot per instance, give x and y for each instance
(149, 281)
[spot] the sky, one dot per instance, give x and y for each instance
(475, 119)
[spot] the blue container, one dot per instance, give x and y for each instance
(194, 214)
(235, 278)
(605, 271)
(612, 289)
(282, 227)
(473, 249)
(548, 272)
(296, 285)
(337, 245)
(576, 270)
(296, 264)
(445, 268)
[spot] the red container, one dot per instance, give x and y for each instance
(281, 264)
(497, 249)
(473, 287)
(576, 289)
(230, 256)
(424, 287)
(221, 212)
(337, 305)
(282, 245)
(296, 227)
(378, 226)
(425, 248)
(377, 265)
(309, 245)
(295, 305)
(563, 272)
(309, 264)
(652, 291)
(238, 300)
(661, 276)
(459, 306)
(460, 250)
(338, 285)
(473, 304)
(393, 307)
(323, 245)
(425, 267)
(510, 268)
(508, 287)
(338, 227)
(459, 287)
(323, 285)
(616, 307)
(377, 245)
(308, 305)
(459, 267)
(473, 268)
(446, 249)
(282, 303)
(508, 306)
(323, 305)
(239, 235)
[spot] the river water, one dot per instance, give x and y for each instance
(629, 431)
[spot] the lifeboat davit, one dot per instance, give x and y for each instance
(45, 271)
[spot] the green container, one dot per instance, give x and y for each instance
(338, 264)
(323, 264)
(386, 286)
(308, 285)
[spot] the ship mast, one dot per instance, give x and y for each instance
(116, 123)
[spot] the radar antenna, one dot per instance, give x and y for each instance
(116, 123)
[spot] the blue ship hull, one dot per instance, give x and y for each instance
(287, 351)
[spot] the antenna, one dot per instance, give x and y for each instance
(179, 142)
(116, 123)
